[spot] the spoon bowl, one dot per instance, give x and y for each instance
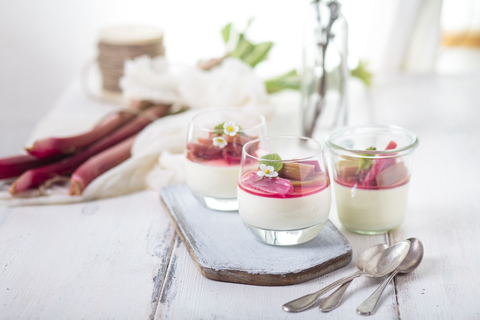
(414, 256)
(368, 254)
(410, 263)
(387, 260)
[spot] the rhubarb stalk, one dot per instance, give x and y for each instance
(53, 147)
(14, 166)
(99, 164)
(35, 177)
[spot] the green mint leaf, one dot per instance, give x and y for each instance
(365, 163)
(218, 129)
(277, 165)
(226, 32)
(220, 126)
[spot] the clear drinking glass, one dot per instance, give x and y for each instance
(214, 148)
(372, 168)
(283, 189)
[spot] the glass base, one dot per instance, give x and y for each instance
(218, 204)
(284, 237)
(367, 232)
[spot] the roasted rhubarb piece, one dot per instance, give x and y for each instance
(393, 176)
(296, 171)
(316, 179)
(53, 147)
(35, 177)
(14, 166)
(99, 164)
(201, 152)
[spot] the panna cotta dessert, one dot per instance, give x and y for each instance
(212, 165)
(213, 154)
(371, 185)
(364, 209)
(283, 197)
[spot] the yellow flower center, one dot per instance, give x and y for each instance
(267, 171)
(230, 128)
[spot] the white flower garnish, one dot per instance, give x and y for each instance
(219, 142)
(267, 171)
(230, 128)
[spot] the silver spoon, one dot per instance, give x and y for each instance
(380, 265)
(333, 300)
(410, 263)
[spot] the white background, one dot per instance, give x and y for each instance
(44, 44)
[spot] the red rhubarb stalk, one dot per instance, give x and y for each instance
(53, 147)
(14, 166)
(35, 177)
(99, 164)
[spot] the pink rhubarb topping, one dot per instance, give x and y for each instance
(383, 173)
(205, 150)
(294, 180)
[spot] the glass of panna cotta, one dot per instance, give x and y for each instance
(372, 168)
(214, 148)
(283, 190)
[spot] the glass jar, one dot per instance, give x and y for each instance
(372, 167)
(283, 189)
(214, 148)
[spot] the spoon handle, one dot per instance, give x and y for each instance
(305, 302)
(369, 306)
(333, 300)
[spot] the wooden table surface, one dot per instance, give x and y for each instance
(120, 258)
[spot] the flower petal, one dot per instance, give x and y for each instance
(260, 173)
(263, 167)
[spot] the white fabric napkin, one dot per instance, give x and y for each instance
(158, 151)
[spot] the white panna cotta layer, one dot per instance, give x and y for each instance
(371, 210)
(284, 213)
(212, 181)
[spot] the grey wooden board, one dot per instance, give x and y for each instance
(223, 250)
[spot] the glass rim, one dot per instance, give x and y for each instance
(318, 143)
(238, 109)
(372, 153)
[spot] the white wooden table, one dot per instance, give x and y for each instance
(121, 259)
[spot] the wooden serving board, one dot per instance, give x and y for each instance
(223, 250)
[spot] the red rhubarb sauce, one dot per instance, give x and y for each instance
(268, 187)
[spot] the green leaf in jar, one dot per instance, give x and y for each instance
(276, 164)
(364, 163)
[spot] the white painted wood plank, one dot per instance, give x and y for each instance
(97, 260)
(444, 202)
